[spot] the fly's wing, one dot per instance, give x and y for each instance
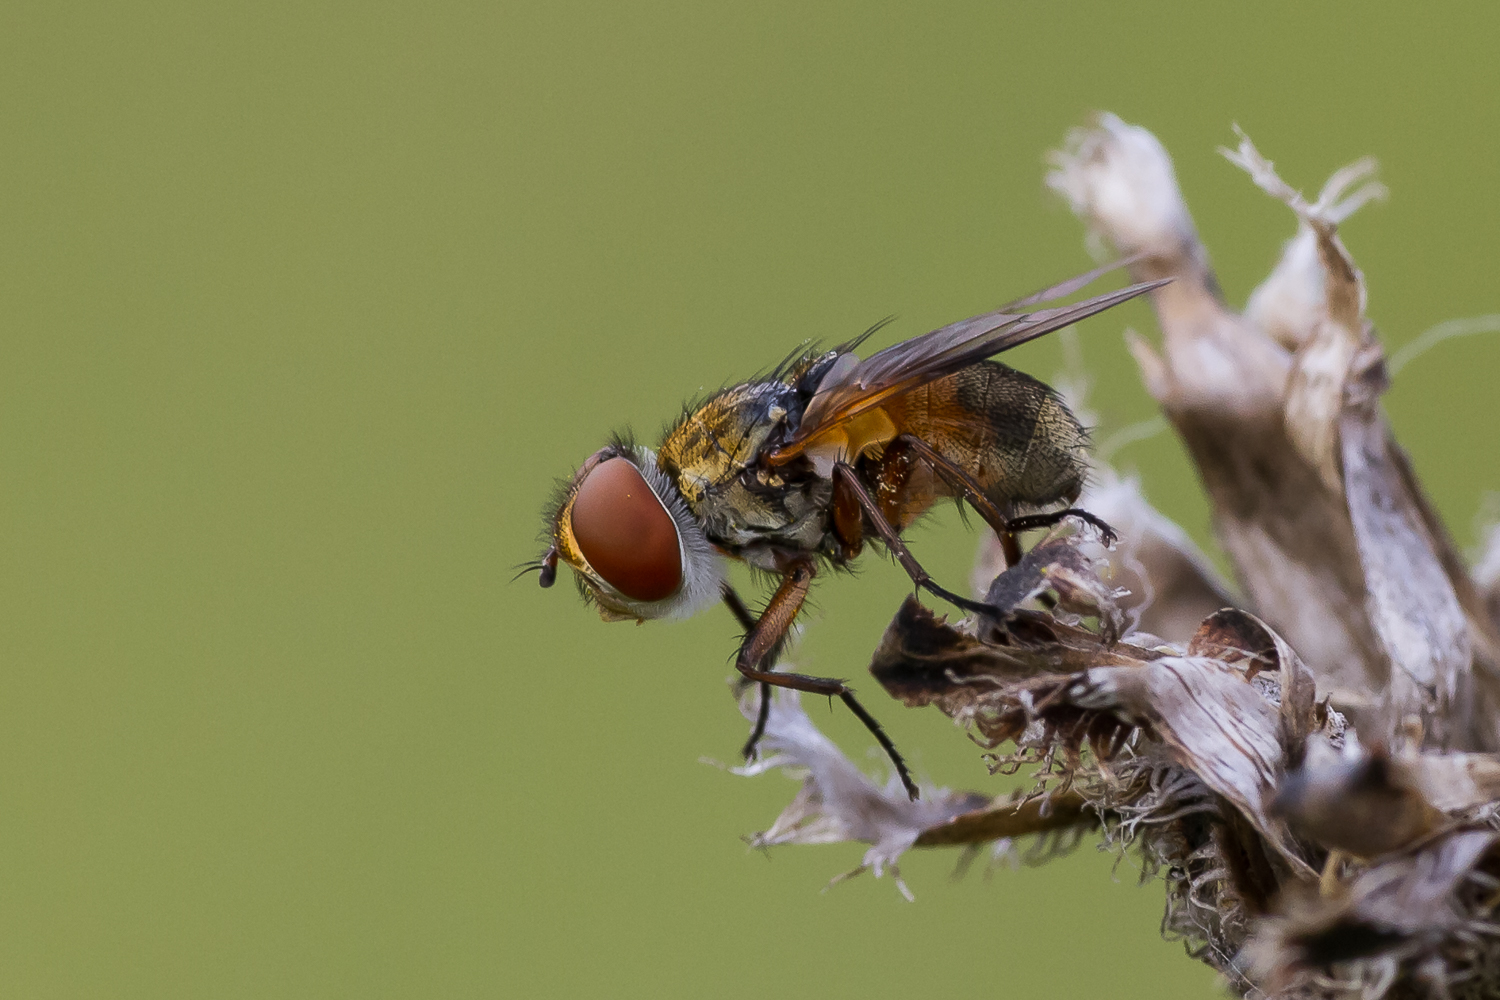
(1065, 288)
(863, 386)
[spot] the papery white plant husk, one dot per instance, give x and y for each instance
(1307, 757)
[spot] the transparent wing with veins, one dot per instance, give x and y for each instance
(855, 387)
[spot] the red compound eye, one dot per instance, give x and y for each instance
(625, 533)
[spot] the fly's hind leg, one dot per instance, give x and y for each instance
(766, 637)
(1027, 523)
(1006, 528)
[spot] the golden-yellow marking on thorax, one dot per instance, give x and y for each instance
(713, 444)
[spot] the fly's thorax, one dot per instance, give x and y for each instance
(767, 508)
(724, 436)
(631, 541)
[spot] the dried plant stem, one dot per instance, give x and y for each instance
(1013, 817)
(1310, 759)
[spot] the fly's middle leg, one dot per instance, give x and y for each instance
(898, 548)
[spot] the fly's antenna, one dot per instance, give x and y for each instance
(546, 566)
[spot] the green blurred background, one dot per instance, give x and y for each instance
(304, 309)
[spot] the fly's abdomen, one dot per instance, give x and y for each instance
(1008, 430)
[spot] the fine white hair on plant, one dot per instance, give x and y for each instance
(1141, 430)
(1436, 334)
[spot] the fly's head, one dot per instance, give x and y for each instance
(622, 526)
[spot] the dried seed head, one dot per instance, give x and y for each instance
(1366, 804)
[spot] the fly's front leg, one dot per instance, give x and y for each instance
(767, 636)
(898, 548)
(747, 622)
